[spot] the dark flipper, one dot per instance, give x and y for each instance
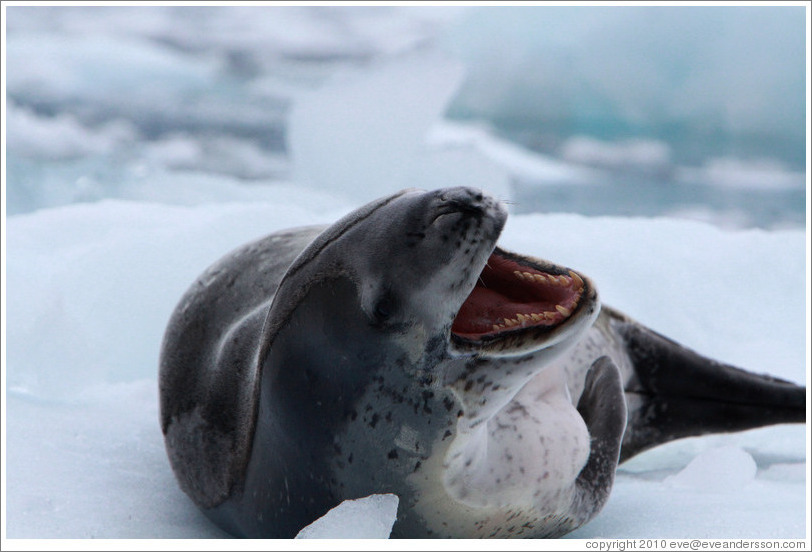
(603, 408)
(677, 393)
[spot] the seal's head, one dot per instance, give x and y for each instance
(427, 263)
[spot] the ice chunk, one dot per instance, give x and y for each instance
(365, 518)
(510, 159)
(50, 66)
(719, 470)
(758, 174)
(363, 133)
(61, 136)
(638, 155)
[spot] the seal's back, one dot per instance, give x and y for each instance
(208, 365)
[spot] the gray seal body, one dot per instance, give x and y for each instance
(401, 351)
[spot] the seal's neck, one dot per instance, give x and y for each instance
(311, 374)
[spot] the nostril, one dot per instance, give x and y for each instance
(467, 202)
(462, 199)
(475, 207)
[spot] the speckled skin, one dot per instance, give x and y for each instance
(315, 365)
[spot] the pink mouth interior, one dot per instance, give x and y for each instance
(510, 296)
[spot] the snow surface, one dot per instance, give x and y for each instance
(90, 288)
(115, 204)
(716, 470)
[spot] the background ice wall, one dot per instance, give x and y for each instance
(686, 111)
(706, 81)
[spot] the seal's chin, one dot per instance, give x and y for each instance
(518, 302)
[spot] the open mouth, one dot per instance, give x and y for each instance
(515, 295)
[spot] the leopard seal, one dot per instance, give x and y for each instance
(400, 350)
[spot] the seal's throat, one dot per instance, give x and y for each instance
(515, 294)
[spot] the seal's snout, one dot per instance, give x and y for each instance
(466, 201)
(460, 193)
(464, 198)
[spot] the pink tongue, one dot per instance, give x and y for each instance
(486, 307)
(509, 295)
(480, 312)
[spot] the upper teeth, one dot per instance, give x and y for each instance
(521, 319)
(573, 280)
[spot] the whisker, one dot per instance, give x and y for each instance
(487, 265)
